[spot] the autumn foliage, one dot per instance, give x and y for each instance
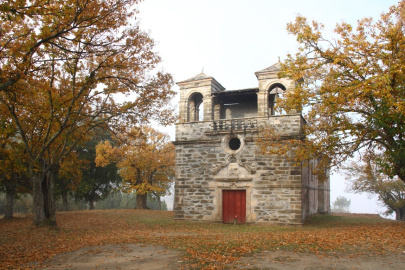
(145, 160)
(368, 178)
(68, 68)
(351, 90)
(203, 245)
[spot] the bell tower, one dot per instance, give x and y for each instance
(195, 98)
(270, 88)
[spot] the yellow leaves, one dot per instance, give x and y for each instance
(104, 154)
(72, 169)
(304, 32)
(145, 159)
(69, 49)
(56, 54)
(295, 99)
(351, 88)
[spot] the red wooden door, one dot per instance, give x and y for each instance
(234, 206)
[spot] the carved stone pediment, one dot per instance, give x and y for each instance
(233, 169)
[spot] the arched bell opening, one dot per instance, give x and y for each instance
(195, 108)
(275, 92)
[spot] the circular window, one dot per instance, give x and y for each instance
(234, 144)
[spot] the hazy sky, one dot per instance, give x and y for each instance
(231, 39)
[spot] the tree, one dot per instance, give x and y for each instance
(368, 178)
(63, 67)
(341, 205)
(97, 183)
(13, 165)
(113, 201)
(352, 90)
(69, 178)
(145, 160)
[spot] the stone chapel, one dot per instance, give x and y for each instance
(220, 176)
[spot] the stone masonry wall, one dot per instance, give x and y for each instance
(273, 187)
(277, 192)
(207, 163)
(193, 198)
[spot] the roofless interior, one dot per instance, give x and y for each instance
(205, 99)
(237, 104)
(233, 104)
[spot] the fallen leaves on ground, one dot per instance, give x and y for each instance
(204, 245)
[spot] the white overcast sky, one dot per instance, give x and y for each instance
(231, 39)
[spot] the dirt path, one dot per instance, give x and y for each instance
(283, 260)
(123, 257)
(137, 256)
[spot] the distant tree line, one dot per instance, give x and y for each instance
(81, 184)
(341, 205)
(117, 200)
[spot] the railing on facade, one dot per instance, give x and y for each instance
(234, 125)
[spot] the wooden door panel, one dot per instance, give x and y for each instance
(234, 206)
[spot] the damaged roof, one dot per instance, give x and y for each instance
(236, 92)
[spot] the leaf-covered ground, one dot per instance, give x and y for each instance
(203, 245)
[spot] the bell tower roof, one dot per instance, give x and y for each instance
(198, 77)
(273, 68)
(200, 80)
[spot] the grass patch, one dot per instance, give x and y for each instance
(344, 220)
(203, 244)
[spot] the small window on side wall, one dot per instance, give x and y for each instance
(276, 91)
(195, 108)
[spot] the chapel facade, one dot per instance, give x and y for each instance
(220, 176)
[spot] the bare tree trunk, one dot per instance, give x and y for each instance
(91, 204)
(400, 214)
(65, 201)
(48, 189)
(141, 201)
(38, 199)
(43, 197)
(10, 194)
(400, 173)
(159, 201)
